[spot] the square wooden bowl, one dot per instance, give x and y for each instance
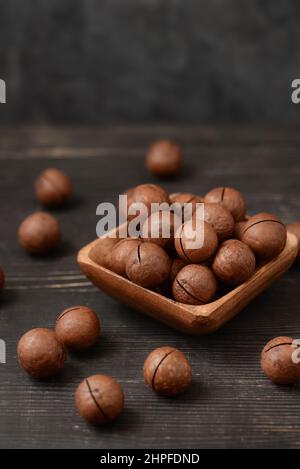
(94, 259)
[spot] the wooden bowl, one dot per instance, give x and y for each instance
(94, 259)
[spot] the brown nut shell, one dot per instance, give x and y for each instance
(167, 371)
(77, 328)
(148, 265)
(176, 266)
(277, 360)
(53, 188)
(219, 218)
(164, 158)
(147, 194)
(234, 262)
(40, 354)
(120, 253)
(39, 233)
(239, 228)
(184, 199)
(101, 252)
(265, 234)
(230, 198)
(194, 285)
(160, 228)
(187, 234)
(124, 209)
(99, 399)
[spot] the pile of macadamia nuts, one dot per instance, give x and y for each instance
(232, 244)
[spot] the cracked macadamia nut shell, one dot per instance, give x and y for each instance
(39, 233)
(229, 198)
(184, 199)
(148, 265)
(219, 218)
(187, 233)
(265, 234)
(234, 262)
(53, 188)
(167, 371)
(147, 194)
(294, 228)
(176, 266)
(277, 360)
(194, 285)
(77, 328)
(40, 354)
(120, 253)
(99, 399)
(164, 158)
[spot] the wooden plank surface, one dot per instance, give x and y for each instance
(230, 403)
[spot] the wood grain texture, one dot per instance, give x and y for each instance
(230, 403)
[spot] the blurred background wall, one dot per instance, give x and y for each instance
(93, 61)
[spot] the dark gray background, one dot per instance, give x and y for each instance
(146, 60)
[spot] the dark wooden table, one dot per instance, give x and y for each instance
(230, 404)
